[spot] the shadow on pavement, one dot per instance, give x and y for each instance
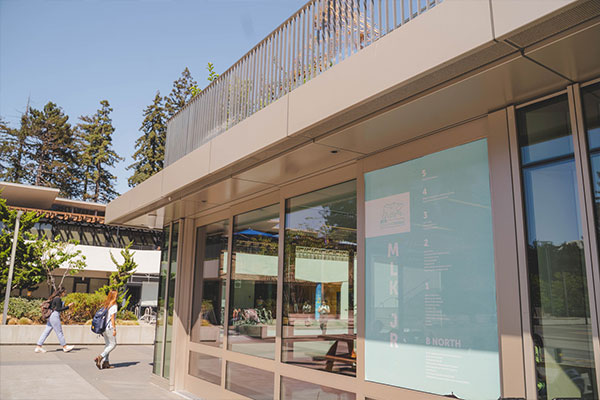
(124, 364)
(75, 349)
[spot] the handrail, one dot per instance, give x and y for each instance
(318, 36)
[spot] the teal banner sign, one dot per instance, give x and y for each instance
(431, 322)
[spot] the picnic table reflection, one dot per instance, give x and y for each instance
(332, 356)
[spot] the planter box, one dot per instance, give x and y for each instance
(75, 334)
(256, 331)
(209, 333)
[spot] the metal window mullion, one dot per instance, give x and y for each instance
(166, 301)
(586, 205)
(180, 253)
(528, 348)
(279, 309)
(227, 303)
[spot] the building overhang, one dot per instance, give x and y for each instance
(394, 91)
(29, 196)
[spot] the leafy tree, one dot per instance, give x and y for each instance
(55, 254)
(97, 154)
(181, 93)
(120, 277)
(27, 273)
(212, 75)
(150, 146)
(53, 149)
(125, 270)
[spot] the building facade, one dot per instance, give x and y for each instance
(383, 200)
(84, 222)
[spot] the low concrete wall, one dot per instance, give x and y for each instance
(75, 334)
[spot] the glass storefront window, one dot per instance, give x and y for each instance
(162, 292)
(293, 389)
(208, 299)
(205, 367)
(253, 293)
(170, 303)
(319, 311)
(251, 382)
(560, 310)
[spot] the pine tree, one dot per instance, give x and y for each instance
(53, 151)
(13, 145)
(97, 154)
(181, 93)
(150, 146)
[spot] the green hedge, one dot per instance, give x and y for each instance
(84, 307)
(19, 307)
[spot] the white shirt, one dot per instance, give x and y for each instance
(112, 310)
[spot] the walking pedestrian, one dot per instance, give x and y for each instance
(110, 333)
(57, 306)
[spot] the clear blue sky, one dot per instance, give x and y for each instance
(79, 52)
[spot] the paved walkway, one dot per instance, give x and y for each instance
(25, 375)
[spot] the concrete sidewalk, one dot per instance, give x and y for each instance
(25, 375)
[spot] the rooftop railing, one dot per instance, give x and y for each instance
(318, 36)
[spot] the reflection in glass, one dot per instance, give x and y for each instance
(253, 298)
(591, 111)
(319, 311)
(544, 131)
(205, 367)
(171, 298)
(209, 283)
(293, 389)
(555, 255)
(162, 289)
(250, 382)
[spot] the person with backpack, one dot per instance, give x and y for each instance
(53, 323)
(110, 331)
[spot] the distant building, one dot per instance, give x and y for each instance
(84, 221)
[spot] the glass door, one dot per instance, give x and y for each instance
(166, 301)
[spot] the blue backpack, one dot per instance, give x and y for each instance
(99, 321)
